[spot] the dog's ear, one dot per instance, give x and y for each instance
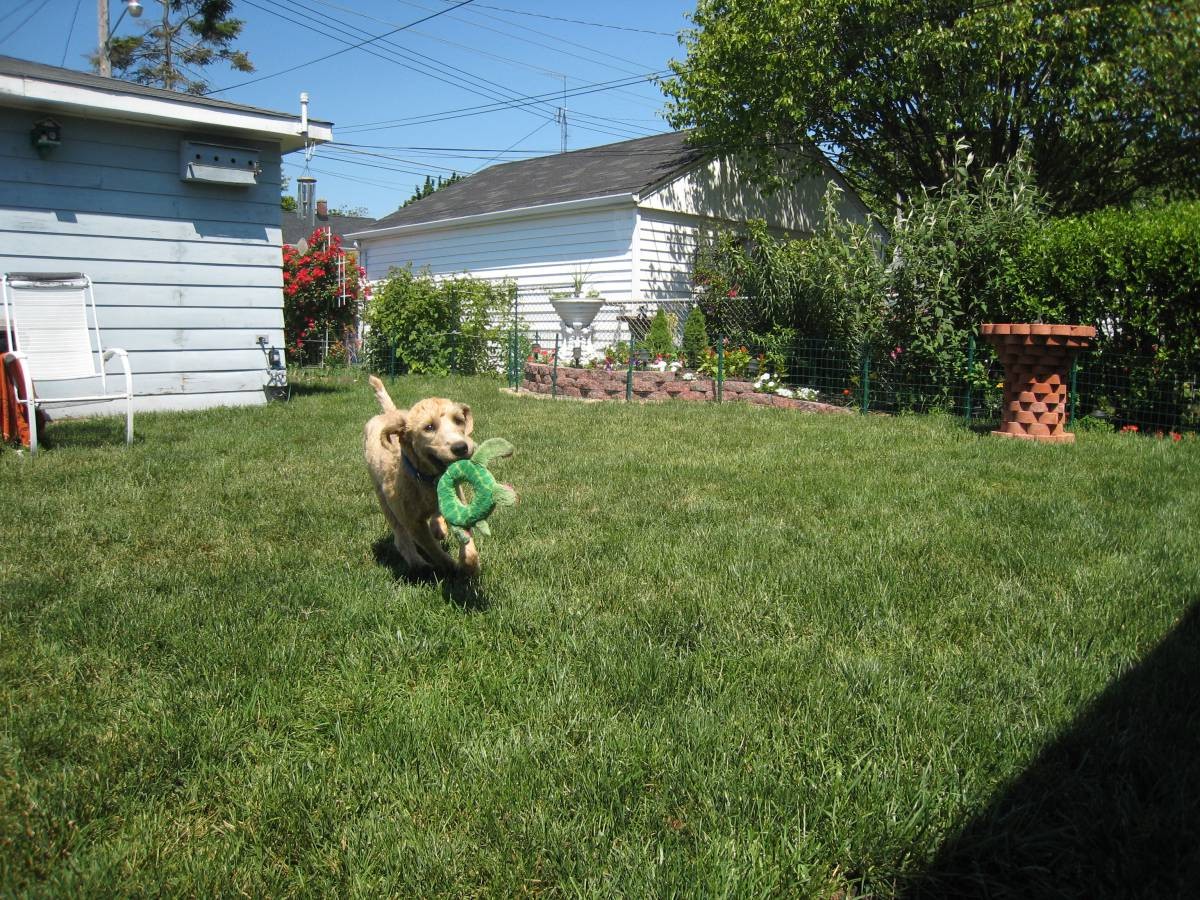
(469, 419)
(393, 432)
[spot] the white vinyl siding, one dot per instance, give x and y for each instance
(666, 246)
(186, 275)
(540, 253)
(716, 191)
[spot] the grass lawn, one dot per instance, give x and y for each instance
(717, 650)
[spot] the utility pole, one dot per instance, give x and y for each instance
(561, 118)
(102, 37)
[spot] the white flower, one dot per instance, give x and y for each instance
(689, 376)
(806, 393)
(785, 392)
(675, 366)
(659, 364)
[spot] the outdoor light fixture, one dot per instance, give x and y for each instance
(106, 32)
(45, 136)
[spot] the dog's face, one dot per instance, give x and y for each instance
(434, 433)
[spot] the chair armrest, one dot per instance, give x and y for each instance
(124, 358)
(10, 355)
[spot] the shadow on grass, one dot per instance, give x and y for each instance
(87, 433)
(312, 388)
(1110, 809)
(465, 593)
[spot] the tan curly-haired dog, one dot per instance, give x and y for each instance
(407, 451)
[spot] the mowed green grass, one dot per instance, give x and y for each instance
(716, 650)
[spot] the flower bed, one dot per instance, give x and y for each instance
(601, 384)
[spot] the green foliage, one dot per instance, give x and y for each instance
(431, 186)
(191, 34)
(695, 336)
(437, 325)
(831, 285)
(954, 266)
(734, 365)
(659, 341)
(1135, 273)
(951, 264)
(1106, 93)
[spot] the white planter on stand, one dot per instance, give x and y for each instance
(577, 315)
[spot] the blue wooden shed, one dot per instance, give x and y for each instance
(170, 203)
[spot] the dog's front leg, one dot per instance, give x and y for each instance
(432, 548)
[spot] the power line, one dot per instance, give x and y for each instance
(521, 12)
(25, 21)
(302, 65)
(510, 146)
(593, 52)
(496, 107)
(70, 31)
(421, 63)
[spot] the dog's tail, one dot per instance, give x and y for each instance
(381, 394)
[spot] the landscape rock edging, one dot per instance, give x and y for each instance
(602, 384)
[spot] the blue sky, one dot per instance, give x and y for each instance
(410, 104)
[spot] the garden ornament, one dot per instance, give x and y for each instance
(486, 492)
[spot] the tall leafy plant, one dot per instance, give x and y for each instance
(433, 326)
(316, 302)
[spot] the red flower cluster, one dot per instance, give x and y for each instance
(316, 301)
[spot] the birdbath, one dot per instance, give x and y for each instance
(1037, 365)
(577, 315)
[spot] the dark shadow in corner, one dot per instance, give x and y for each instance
(1111, 809)
(465, 593)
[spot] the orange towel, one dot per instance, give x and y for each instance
(14, 421)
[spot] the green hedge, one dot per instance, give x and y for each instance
(1134, 273)
(427, 326)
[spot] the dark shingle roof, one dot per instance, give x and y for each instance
(625, 168)
(23, 68)
(294, 228)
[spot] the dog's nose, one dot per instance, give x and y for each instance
(460, 449)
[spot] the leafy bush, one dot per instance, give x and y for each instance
(1133, 273)
(952, 263)
(437, 325)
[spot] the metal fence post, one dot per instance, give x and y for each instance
(554, 371)
(454, 352)
(392, 361)
(720, 367)
(629, 375)
(970, 373)
(1070, 426)
(866, 380)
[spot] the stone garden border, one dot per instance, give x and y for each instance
(602, 384)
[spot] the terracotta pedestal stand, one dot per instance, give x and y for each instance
(1037, 366)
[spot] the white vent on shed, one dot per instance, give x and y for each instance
(218, 164)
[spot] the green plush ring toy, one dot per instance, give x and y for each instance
(486, 492)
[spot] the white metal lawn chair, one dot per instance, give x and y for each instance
(53, 332)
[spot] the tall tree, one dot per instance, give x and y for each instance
(191, 35)
(1106, 94)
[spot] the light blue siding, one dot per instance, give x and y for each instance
(186, 275)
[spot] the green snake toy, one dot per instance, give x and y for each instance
(486, 492)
